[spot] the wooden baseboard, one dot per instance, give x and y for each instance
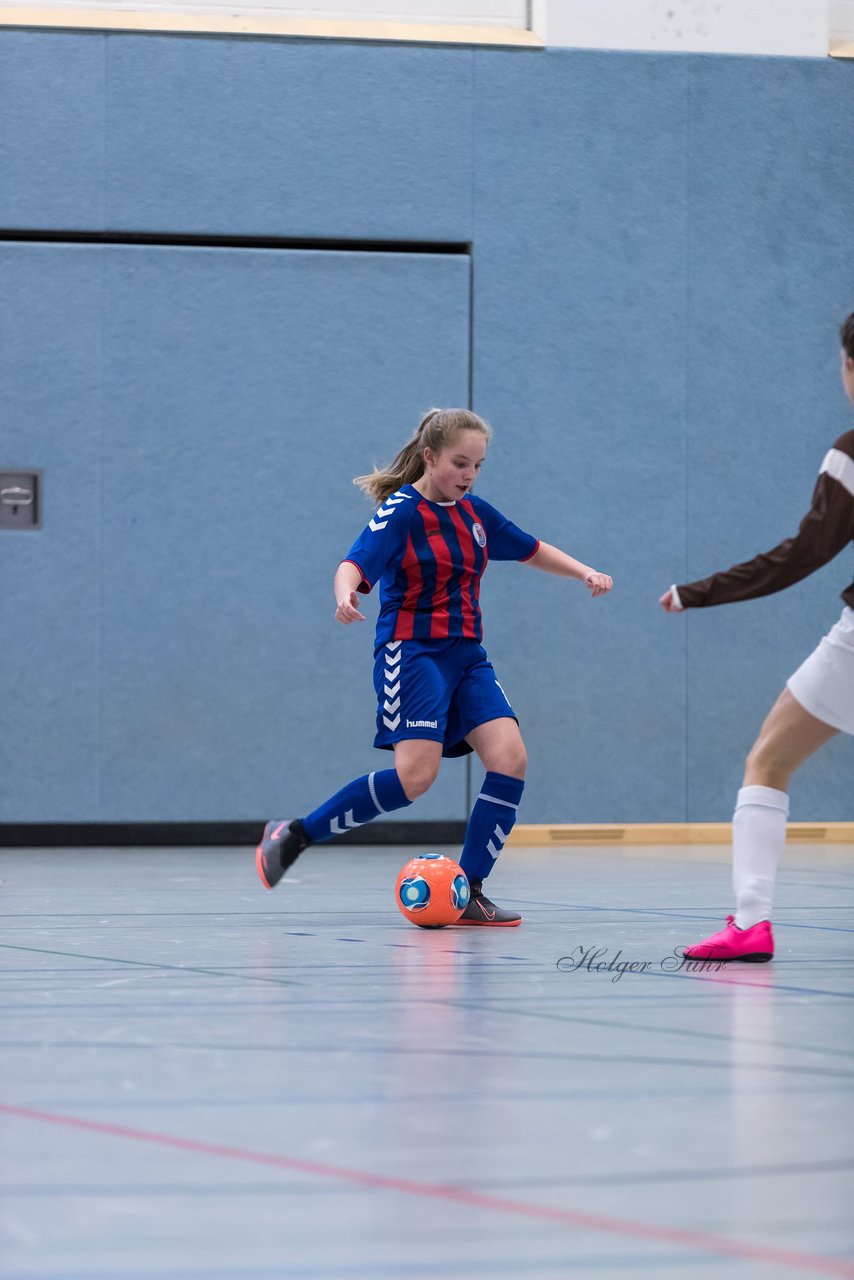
(842, 48)
(667, 833)
(256, 22)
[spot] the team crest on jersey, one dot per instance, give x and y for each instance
(479, 534)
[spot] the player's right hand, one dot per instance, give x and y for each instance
(347, 610)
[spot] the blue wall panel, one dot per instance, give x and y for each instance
(770, 246)
(51, 326)
(769, 280)
(661, 257)
(52, 130)
(238, 393)
(579, 358)
(655, 322)
(241, 137)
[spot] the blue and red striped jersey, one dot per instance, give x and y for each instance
(429, 558)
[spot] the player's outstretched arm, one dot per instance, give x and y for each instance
(826, 529)
(553, 560)
(347, 579)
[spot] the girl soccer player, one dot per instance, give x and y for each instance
(817, 703)
(428, 546)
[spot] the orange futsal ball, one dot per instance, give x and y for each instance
(432, 890)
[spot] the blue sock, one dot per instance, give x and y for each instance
(354, 805)
(490, 824)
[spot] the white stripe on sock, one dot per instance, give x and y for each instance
(494, 800)
(374, 794)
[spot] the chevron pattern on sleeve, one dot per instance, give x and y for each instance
(386, 511)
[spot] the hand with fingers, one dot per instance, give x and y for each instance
(598, 584)
(347, 610)
(670, 601)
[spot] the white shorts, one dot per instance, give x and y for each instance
(824, 683)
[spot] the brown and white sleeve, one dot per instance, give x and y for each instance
(827, 527)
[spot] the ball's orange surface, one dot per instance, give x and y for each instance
(432, 891)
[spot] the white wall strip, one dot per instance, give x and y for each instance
(512, 14)
(796, 28)
(842, 27)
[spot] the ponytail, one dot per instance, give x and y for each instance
(436, 430)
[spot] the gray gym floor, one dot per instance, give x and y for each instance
(206, 1081)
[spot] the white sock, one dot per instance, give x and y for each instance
(758, 837)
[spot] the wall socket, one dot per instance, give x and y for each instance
(20, 500)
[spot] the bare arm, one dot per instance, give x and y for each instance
(552, 560)
(347, 579)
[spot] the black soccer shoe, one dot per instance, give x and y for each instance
(281, 845)
(481, 911)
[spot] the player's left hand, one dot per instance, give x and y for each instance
(598, 584)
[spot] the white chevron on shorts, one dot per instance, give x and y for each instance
(349, 823)
(502, 836)
(392, 670)
(391, 674)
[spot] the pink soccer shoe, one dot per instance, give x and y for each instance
(754, 944)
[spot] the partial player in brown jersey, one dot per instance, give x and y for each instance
(817, 703)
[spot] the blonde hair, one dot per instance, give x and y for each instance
(436, 430)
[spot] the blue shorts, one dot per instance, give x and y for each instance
(438, 689)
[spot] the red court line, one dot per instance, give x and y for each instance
(816, 1264)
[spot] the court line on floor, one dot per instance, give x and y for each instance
(731, 981)
(706, 1242)
(436, 1051)
(21, 1190)
(151, 964)
(332, 1099)
(674, 913)
(451, 1267)
(108, 915)
(484, 1005)
(675, 1175)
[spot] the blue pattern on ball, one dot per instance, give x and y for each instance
(414, 893)
(460, 892)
